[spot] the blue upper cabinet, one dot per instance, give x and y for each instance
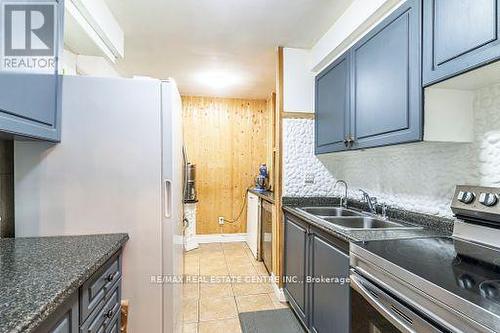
(332, 106)
(459, 35)
(372, 95)
(30, 88)
(386, 85)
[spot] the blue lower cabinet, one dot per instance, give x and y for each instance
(94, 308)
(64, 320)
(459, 35)
(316, 267)
(295, 265)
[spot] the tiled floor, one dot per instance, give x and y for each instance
(213, 307)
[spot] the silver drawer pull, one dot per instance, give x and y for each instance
(111, 277)
(109, 314)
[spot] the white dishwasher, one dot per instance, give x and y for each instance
(253, 224)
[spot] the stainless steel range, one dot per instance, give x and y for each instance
(441, 284)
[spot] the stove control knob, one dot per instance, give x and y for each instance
(488, 199)
(466, 197)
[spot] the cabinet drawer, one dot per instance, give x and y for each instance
(97, 287)
(114, 327)
(105, 316)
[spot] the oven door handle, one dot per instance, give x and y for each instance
(386, 313)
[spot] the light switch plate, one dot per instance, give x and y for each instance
(309, 178)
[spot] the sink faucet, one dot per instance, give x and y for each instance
(371, 201)
(343, 199)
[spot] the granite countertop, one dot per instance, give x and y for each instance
(430, 226)
(266, 195)
(38, 274)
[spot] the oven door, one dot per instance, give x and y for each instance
(376, 311)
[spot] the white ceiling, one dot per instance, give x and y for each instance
(184, 38)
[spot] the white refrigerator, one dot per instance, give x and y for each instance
(118, 168)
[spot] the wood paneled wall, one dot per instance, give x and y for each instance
(227, 139)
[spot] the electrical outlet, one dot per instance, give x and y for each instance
(309, 178)
(221, 220)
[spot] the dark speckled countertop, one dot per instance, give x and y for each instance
(38, 274)
(431, 226)
(266, 195)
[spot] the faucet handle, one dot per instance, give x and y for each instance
(384, 211)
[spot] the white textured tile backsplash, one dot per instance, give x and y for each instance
(419, 177)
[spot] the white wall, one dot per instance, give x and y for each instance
(74, 64)
(356, 21)
(418, 177)
(298, 81)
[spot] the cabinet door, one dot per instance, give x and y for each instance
(459, 35)
(295, 265)
(332, 106)
(64, 320)
(387, 81)
(30, 103)
(330, 300)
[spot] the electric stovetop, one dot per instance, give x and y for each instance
(468, 270)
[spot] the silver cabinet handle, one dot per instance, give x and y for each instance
(168, 198)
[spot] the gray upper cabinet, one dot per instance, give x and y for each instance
(372, 95)
(332, 106)
(459, 35)
(30, 103)
(386, 83)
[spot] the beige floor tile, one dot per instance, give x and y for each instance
(210, 248)
(220, 326)
(191, 268)
(215, 268)
(190, 328)
(254, 303)
(211, 259)
(191, 259)
(240, 265)
(217, 308)
(276, 302)
(191, 290)
(235, 252)
(234, 245)
(243, 289)
(214, 290)
(192, 254)
(250, 254)
(238, 261)
(260, 268)
(242, 270)
(190, 310)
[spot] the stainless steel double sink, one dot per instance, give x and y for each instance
(352, 220)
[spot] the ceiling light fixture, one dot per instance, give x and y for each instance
(218, 79)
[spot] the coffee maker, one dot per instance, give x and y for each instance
(190, 195)
(261, 181)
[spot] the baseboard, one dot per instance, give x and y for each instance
(220, 238)
(277, 290)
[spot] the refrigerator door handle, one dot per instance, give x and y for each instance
(168, 198)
